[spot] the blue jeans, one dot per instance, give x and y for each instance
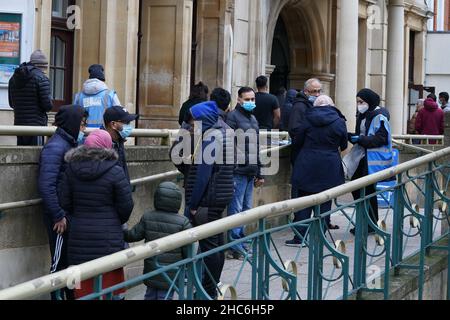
(242, 201)
(157, 294)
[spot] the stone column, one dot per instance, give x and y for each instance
(43, 27)
(395, 65)
(347, 66)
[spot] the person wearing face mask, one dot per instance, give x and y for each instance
(372, 151)
(69, 120)
(117, 123)
(304, 101)
(247, 173)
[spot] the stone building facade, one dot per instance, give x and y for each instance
(154, 50)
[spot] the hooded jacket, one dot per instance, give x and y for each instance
(29, 95)
(96, 97)
(211, 184)
(97, 198)
(161, 222)
(51, 162)
(286, 109)
(430, 119)
(318, 164)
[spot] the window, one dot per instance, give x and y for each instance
(59, 8)
(57, 67)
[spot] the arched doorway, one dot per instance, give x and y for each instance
(280, 58)
(300, 42)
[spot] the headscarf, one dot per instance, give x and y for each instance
(323, 100)
(99, 139)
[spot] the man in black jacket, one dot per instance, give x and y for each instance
(247, 172)
(29, 96)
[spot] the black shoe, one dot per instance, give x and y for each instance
(352, 231)
(294, 243)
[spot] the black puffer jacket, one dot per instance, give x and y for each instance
(29, 95)
(160, 223)
(296, 118)
(97, 197)
(249, 151)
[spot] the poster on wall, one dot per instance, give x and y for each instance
(10, 34)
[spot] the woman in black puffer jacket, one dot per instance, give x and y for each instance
(96, 195)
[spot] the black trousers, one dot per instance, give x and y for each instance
(30, 141)
(58, 251)
(362, 171)
(306, 213)
(213, 262)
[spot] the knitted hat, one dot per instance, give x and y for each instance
(96, 71)
(38, 59)
(98, 139)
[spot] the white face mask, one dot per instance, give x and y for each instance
(362, 108)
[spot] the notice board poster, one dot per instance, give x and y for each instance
(10, 36)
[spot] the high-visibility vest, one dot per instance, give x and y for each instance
(95, 104)
(381, 158)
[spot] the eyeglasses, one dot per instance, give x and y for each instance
(315, 91)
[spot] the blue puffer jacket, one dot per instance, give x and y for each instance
(318, 164)
(51, 162)
(97, 198)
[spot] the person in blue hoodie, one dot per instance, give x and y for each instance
(209, 187)
(320, 138)
(71, 122)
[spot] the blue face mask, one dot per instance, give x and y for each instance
(249, 106)
(80, 139)
(312, 99)
(126, 131)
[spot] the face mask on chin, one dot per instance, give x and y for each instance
(312, 99)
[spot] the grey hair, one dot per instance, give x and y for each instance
(420, 102)
(309, 82)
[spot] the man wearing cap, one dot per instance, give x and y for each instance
(29, 96)
(96, 97)
(117, 123)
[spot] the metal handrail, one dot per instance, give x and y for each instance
(145, 133)
(412, 147)
(105, 264)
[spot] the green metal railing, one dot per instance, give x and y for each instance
(326, 268)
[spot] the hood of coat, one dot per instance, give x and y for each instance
(168, 197)
(94, 86)
(430, 105)
(69, 119)
(321, 116)
(290, 96)
(206, 112)
(301, 97)
(24, 73)
(90, 163)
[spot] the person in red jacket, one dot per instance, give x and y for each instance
(430, 120)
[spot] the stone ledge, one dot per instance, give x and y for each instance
(407, 282)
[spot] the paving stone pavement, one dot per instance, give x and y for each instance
(331, 290)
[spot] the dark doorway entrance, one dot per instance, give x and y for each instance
(280, 58)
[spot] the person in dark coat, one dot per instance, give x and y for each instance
(430, 120)
(159, 223)
(199, 94)
(368, 108)
(318, 167)
(71, 121)
(247, 172)
(96, 195)
(117, 123)
(209, 188)
(29, 96)
(286, 109)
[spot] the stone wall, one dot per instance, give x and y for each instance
(24, 253)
